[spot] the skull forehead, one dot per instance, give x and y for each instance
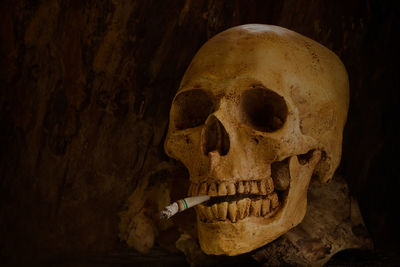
(275, 57)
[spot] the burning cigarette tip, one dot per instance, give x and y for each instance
(169, 211)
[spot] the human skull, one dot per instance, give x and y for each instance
(259, 111)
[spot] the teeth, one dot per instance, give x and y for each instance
(203, 189)
(240, 188)
(263, 187)
(253, 187)
(246, 186)
(232, 211)
(255, 207)
(243, 206)
(222, 210)
(238, 210)
(265, 206)
(193, 190)
(208, 212)
(231, 189)
(214, 209)
(274, 200)
(222, 189)
(200, 210)
(270, 185)
(212, 191)
(247, 211)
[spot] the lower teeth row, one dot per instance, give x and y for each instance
(238, 210)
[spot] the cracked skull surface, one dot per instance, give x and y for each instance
(259, 112)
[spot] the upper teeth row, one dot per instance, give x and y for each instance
(257, 187)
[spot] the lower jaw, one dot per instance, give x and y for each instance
(226, 238)
(249, 233)
(245, 233)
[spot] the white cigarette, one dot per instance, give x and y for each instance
(181, 205)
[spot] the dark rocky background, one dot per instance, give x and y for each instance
(85, 91)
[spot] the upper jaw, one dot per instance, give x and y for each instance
(223, 188)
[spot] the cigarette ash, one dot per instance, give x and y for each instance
(169, 211)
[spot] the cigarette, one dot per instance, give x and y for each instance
(181, 205)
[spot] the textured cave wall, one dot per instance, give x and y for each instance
(86, 88)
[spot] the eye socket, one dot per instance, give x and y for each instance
(263, 109)
(191, 109)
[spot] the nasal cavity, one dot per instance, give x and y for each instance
(215, 137)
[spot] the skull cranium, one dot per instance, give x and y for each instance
(260, 110)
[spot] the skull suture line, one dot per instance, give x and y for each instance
(259, 111)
